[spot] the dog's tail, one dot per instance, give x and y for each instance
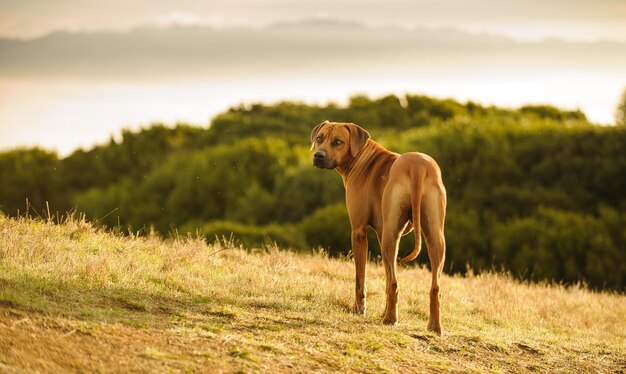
(416, 206)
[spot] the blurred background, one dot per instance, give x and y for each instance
(194, 116)
(72, 72)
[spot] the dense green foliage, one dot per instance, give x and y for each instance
(538, 191)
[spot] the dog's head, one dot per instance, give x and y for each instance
(336, 143)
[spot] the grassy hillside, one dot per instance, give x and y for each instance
(75, 298)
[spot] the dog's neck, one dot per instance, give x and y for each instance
(362, 162)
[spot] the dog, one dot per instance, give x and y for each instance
(393, 194)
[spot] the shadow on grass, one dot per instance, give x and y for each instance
(75, 299)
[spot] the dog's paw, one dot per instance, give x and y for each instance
(434, 327)
(390, 319)
(358, 308)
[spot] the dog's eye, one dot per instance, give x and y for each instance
(337, 142)
(318, 139)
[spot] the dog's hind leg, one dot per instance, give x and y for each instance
(433, 217)
(391, 239)
(396, 205)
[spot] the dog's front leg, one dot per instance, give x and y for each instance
(359, 251)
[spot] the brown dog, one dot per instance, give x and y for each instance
(386, 191)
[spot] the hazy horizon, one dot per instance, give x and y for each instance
(531, 20)
(72, 76)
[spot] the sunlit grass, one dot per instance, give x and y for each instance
(73, 297)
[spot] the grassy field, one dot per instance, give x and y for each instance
(75, 298)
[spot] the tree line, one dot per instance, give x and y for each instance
(537, 190)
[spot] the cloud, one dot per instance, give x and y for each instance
(177, 17)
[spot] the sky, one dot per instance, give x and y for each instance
(64, 104)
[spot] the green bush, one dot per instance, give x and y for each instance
(568, 246)
(32, 174)
(329, 228)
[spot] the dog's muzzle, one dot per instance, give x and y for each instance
(319, 158)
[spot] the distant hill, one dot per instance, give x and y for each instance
(313, 47)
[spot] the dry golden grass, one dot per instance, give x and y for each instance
(74, 298)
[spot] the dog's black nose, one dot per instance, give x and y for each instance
(319, 155)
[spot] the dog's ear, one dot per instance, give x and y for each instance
(316, 130)
(358, 138)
